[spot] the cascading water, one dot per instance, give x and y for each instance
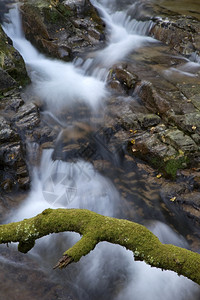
(109, 270)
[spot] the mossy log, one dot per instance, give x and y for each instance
(95, 228)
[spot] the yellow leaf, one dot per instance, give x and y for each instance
(133, 142)
(152, 129)
(159, 175)
(173, 199)
(163, 138)
(181, 152)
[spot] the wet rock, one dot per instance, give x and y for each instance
(120, 76)
(10, 102)
(11, 149)
(149, 145)
(11, 164)
(129, 120)
(27, 117)
(183, 196)
(191, 90)
(165, 149)
(12, 66)
(153, 101)
(196, 101)
(74, 143)
(61, 29)
(27, 279)
(177, 34)
(17, 124)
(189, 122)
(179, 140)
(6, 132)
(22, 135)
(148, 120)
(6, 81)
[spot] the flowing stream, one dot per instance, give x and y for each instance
(108, 272)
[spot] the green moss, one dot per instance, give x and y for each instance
(64, 10)
(169, 167)
(4, 47)
(2, 58)
(95, 17)
(40, 3)
(11, 61)
(96, 228)
(52, 15)
(173, 165)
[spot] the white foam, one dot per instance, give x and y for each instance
(80, 186)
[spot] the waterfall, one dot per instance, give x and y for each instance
(78, 184)
(57, 83)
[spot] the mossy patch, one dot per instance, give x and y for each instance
(53, 16)
(64, 10)
(11, 61)
(173, 165)
(95, 228)
(169, 167)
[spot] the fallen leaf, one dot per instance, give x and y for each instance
(163, 138)
(159, 175)
(133, 142)
(173, 199)
(152, 129)
(180, 152)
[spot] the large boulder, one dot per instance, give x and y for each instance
(61, 29)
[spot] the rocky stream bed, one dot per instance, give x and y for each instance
(151, 120)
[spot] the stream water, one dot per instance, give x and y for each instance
(108, 272)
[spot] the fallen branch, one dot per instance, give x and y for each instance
(95, 228)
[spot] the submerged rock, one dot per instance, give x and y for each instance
(120, 78)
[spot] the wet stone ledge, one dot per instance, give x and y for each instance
(61, 29)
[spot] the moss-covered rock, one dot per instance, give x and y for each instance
(167, 150)
(13, 67)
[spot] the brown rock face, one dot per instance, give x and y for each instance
(62, 30)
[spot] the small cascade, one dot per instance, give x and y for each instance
(67, 185)
(57, 83)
